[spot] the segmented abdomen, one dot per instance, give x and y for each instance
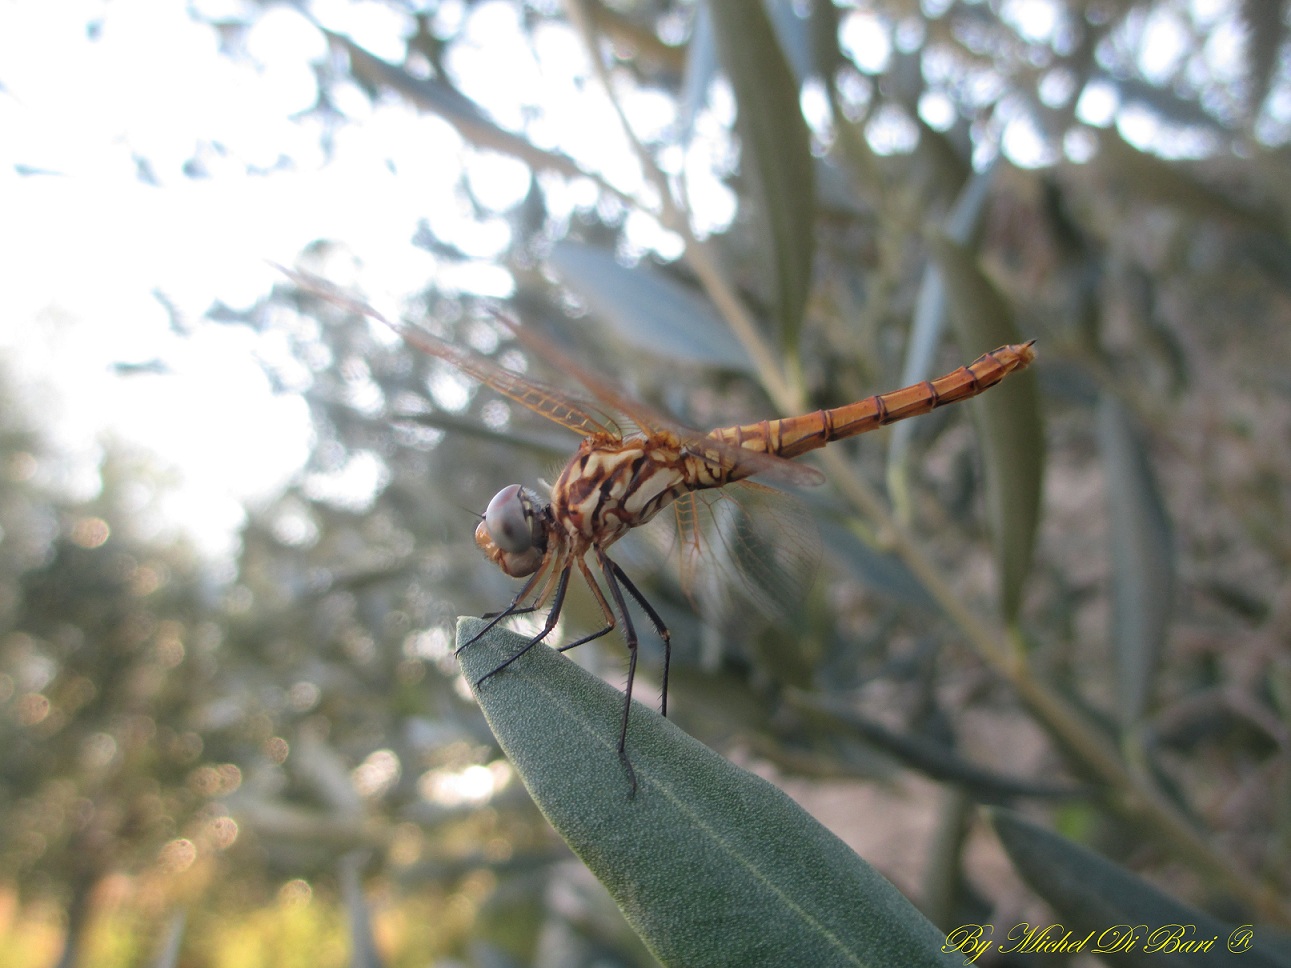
(794, 436)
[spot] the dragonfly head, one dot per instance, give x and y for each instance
(513, 533)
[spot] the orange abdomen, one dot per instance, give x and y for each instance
(794, 436)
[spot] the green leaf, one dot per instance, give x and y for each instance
(827, 57)
(1142, 558)
(438, 97)
(711, 865)
(646, 307)
(701, 65)
(1265, 30)
(775, 151)
(794, 35)
(930, 757)
(1008, 419)
(1146, 177)
(881, 571)
(363, 946)
(168, 955)
(1091, 894)
(962, 225)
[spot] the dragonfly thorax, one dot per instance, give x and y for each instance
(513, 532)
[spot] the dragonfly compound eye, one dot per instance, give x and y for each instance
(510, 520)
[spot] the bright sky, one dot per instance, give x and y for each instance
(91, 247)
(88, 245)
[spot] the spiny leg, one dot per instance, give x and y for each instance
(515, 608)
(586, 638)
(552, 617)
(608, 569)
(606, 611)
(659, 627)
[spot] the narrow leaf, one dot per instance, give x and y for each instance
(1008, 420)
(1164, 101)
(794, 35)
(1146, 178)
(885, 573)
(1265, 30)
(646, 307)
(827, 56)
(363, 946)
(711, 865)
(1142, 550)
(932, 758)
(172, 943)
(438, 97)
(701, 65)
(962, 226)
(775, 151)
(1095, 897)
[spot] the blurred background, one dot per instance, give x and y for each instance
(236, 519)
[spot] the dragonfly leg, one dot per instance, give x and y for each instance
(561, 585)
(658, 623)
(585, 639)
(515, 608)
(610, 619)
(611, 571)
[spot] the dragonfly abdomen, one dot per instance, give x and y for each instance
(794, 436)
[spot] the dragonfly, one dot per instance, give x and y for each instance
(619, 481)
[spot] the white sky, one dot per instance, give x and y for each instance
(85, 246)
(86, 243)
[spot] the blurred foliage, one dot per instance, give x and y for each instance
(107, 645)
(216, 736)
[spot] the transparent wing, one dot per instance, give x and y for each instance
(747, 544)
(545, 400)
(649, 420)
(577, 415)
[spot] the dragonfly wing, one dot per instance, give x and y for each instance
(569, 411)
(646, 418)
(547, 401)
(747, 544)
(543, 399)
